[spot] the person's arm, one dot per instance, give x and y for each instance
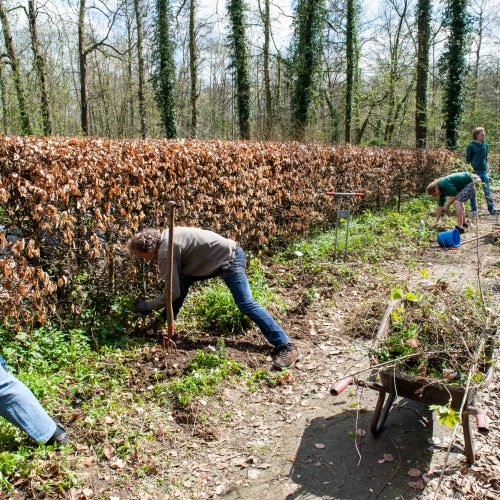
(468, 154)
(445, 186)
(159, 302)
(438, 214)
(444, 208)
(449, 204)
(441, 202)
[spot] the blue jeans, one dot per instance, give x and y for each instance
(19, 406)
(487, 193)
(237, 282)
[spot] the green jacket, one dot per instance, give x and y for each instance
(452, 184)
(476, 155)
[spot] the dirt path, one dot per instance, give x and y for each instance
(297, 442)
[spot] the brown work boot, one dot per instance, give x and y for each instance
(285, 356)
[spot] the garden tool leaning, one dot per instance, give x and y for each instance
(168, 342)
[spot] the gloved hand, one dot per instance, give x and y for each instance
(143, 307)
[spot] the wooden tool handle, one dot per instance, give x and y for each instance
(170, 260)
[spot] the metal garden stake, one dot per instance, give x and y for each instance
(342, 213)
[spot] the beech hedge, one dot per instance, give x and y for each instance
(68, 205)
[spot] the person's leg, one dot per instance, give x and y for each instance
(460, 213)
(464, 195)
(487, 192)
(237, 282)
(186, 282)
(473, 205)
(19, 406)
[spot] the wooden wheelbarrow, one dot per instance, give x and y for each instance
(391, 383)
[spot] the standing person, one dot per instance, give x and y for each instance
(460, 187)
(476, 155)
(200, 255)
(19, 406)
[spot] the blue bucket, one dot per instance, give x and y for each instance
(449, 238)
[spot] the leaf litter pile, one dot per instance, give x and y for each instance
(436, 333)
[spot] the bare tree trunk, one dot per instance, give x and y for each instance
(361, 130)
(193, 68)
(82, 54)
(40, 68)
(334, 117)
(266, 21)
(102, 109)
(393, 75)
(351, 42)
(397, 112)
(16, 72)
(477, 54)
(130, 81)
(140, 59)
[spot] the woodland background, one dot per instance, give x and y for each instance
(402, 73)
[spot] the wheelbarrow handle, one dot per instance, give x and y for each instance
(483, 423)
(341, 385)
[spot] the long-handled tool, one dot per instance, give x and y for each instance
(168, 343)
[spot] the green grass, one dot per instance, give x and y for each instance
(212, 305)
(373, 237)
(68, 378)
(203, 377)
(85, 369)
(208, 370)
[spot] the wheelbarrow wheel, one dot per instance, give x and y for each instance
(381, 412)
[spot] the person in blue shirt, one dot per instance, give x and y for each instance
(476, 155)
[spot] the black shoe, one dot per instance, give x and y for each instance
(466, 225)
(285, 356)
(493, 212)
(460, 229)
(60, 436)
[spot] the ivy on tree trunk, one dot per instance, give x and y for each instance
(309, 22)
(193, 68)
(266, 21)
(240, 62)
(424, 17)
(164, 76)
(140, 63)
(455, 67)
(40, 67)
(16, 72)
(351, 62)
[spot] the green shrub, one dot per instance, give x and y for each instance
(46, 349)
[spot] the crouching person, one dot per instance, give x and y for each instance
(460, 188)
(199, 255)
(20, 407)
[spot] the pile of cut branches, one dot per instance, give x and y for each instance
(436, 333)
